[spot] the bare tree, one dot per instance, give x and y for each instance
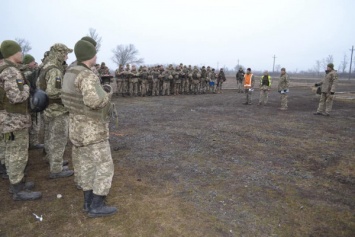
(24, 44)
(93, 34)
(327, 60)
(344, 64)
(317, 67)
(126, 54)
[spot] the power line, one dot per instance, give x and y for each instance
(273, 66)
(351, 60)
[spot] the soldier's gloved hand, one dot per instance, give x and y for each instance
(332, 93)
(316, 84)
(107, 88)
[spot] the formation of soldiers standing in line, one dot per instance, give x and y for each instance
(74, 104)
(157, 80)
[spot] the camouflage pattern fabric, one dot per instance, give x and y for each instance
(15, 94)
(91, 152)
(325, 103)
(264, 94)
(283, 86)
(2, 141)
(16, 155)
(96, 167)
(57, 138)
(35, 128)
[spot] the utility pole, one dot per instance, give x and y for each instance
(351, 60)
(273, 66)
(238, 63)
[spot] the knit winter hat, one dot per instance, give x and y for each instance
(9, 48)
(28, 58)
(84, 50)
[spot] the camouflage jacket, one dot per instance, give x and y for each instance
(283, 82)
(329, 82)
(11, 81)
(54, 80)
(84, 130)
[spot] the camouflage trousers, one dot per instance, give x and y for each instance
(185, 86)
(325, 103)
(35, 128)
(203, 85)
(219, 86)
(55, 140)
(195, 86)
(119, 83)
(95, 167)
(264, 95)
(155, 87)
(16, 154)
(177, 88)
(166, 88)
(248, 95)
(144, 87)
(133, 86)
(124, 87)
(284, 101)
(240, 86)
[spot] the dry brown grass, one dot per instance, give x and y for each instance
(207, 165)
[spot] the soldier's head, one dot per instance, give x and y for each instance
(29, 60)
(221, 70)
(85, 52)
(12, 51)
(330, 66)
(266, 73)
(283, 71)
(248, 70)
(60, 52)
(240, 69)
(212, 69)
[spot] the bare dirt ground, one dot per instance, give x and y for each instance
(207, 165)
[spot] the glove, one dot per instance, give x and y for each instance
(332, 93)
(107, 88)
(316, 84)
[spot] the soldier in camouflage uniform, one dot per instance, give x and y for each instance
(167, 78)
(31, 73)
(265, 86)
(2, 141)
(89, 106)
(213, 81)
(220, 79)
(208, 79)
(177, 80)
(328, 86)
(196, 76)
(133, 81)
(240, 76)
(14, 95)
(143, 76)
(203, 80)
(185, 80)
(55, 115)
(155, 81)
(119, 79)
(283, 88)
(126, 76)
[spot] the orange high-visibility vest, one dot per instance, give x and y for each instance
(247, 80)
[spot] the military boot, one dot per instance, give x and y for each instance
(64, 173)
(98, 207)
(24, 186)
(19, 194)
(88, 195)
(3, 172)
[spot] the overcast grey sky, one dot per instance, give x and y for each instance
(196, 32)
